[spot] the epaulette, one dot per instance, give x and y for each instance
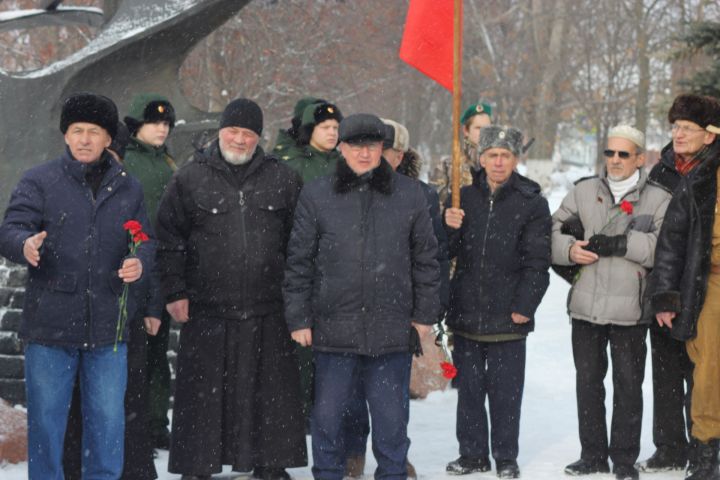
(589, 177)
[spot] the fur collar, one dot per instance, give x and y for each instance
(410, 164)
(380, 179)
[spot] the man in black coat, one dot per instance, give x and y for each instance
(361, 281)
(685, 283)
(501, 239)
(671, 366)
(223, 226)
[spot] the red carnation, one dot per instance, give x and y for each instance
(626, 207)
(133, 226)
(449, 370)
(140, 237)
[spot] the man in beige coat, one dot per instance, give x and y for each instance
(621, 214)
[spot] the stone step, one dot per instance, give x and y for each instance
(12, 366)
(13, 390)
(10, 344)
(10, 320)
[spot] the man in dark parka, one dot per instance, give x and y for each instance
(223, 226)
(362, 278)
(501, 239)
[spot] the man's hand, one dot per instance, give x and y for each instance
(518, 318)
(303, 336)
(423, 330)
(454, 217)
(179, 310)
(665, 318)
(152, 325)
(131, 270)
(31, 248)
(580, 255)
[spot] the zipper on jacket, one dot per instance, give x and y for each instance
(241, 201)
(485, 235)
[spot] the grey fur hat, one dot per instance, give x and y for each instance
(495, 136)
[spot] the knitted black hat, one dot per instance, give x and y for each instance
(89, 108)
(361, 128)
(313, 115)
(243, 113)
(695, 108)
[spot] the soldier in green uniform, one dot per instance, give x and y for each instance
(313, 155)
(287, 137)
(150, 120)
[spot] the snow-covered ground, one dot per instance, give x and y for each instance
(548, 436)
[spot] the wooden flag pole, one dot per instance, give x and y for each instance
(457, 95)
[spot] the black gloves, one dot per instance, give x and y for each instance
(607, 246)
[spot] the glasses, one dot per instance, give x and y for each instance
(620, 153)
(684, 129)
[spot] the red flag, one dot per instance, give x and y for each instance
(427, 42)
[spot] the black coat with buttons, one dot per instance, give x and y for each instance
(223, 239)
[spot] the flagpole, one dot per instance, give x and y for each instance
(457, 95)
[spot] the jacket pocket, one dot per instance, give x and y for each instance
(212, 209)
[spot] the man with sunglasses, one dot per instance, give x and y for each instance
(672, 369)
(621, 213)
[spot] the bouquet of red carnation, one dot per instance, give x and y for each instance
(137, 236)
(442, 340)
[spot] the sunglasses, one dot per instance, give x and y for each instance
(620, 153)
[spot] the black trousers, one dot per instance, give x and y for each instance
(628, 351)
(494, 371)
(158, 373)
(672, 375)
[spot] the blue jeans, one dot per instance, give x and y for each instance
(49, 375)
(385, 381)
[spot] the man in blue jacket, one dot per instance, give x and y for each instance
(65, 221)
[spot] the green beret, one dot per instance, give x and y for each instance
(476, 109)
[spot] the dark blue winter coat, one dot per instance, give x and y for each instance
(503, 256)
(362, 262)
(72, 297)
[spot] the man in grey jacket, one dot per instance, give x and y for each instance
(621, 214)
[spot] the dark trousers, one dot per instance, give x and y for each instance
(356, 424)
(385, 380)
(138, 461)
(628, 351)
(158, 372)
(672, 390)
(495, 370)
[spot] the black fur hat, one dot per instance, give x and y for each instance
(149, 108)
(698, 109)
(89, 108)
(313, 115)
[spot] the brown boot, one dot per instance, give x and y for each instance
(355, 466)
(411, 473)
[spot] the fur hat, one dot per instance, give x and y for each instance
(699, 109)
(396, 136)
(120, 140)
(476, 109)
(628, 133)
(149, 108)
(243, 113)
(495, 136)
(361, 128)
(90, 108)
(314, 114)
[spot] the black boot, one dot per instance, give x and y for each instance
(704, 461)
(464, 465)
(663, 460)
(270, 473)
(587, 467)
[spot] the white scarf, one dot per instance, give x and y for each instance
(621, 187)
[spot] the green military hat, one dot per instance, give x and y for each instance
(476, 109)
(303, 103)
(149, 108)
